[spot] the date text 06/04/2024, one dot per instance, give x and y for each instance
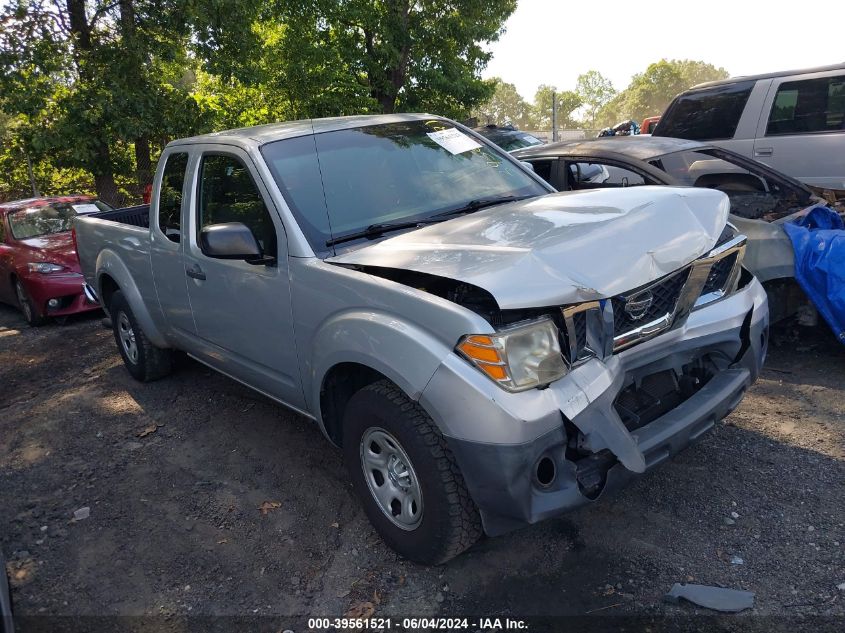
(417, 624)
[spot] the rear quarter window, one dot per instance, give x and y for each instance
(706, 115)
(808, 107)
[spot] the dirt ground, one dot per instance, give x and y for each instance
(174, 474)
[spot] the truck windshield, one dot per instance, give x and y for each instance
(340, 183)
(51, 218)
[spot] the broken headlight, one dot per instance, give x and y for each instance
(519, 357)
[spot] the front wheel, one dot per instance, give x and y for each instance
(28, 309)
(143, 360)
(406, 476)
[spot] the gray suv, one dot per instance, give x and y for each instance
(486, 353)
(793, 121)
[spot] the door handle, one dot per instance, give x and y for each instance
(764, 151)
(195, 272)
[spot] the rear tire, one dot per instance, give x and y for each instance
(394, 452)
(27, 306)
(143, 360)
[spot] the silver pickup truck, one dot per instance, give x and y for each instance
(485, 352)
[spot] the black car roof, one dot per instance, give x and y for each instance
(639, 147)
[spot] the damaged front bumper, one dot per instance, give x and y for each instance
(532, 455)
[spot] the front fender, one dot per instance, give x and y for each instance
(110, 264)
(401, 351)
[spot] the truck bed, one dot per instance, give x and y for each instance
(120, 236)
(138, 215)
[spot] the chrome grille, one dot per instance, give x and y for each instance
(663, 297)
(599, 328)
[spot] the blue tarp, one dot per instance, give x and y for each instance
(818, 240)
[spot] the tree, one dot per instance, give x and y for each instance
(567, 102)
(650, 92)
(505, 106)
(410, 55)
(595, 91)
(100, 86)
(101, 70)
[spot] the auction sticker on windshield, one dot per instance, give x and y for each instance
(85, 208)
(454, 141)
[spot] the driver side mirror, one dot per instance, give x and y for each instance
(232, 240)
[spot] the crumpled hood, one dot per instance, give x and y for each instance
(561, 248)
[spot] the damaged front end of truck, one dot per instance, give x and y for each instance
(644, 371)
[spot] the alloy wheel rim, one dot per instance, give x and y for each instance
(127, 337)
(391, 478)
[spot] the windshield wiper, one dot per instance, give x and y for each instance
(478, 204)
(374, 230)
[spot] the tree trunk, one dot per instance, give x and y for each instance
(103, 172)
(393, 77)
(143, 163)
(107, 189)
(79, 23)
(388, 103)
(104, 178)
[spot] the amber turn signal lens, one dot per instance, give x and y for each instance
(484, 352)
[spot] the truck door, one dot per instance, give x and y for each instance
(802, 130)
(242, 311)
(167, 208)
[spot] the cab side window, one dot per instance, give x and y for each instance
(602, 176)
(227, 193)
(170, 196)
(2, 229)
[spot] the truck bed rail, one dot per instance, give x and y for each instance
(136, 216)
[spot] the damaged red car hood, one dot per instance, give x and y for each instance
(57, 248)
(561, 248)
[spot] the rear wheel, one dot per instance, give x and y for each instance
(143, 360)
(406, 476)
(30, 312)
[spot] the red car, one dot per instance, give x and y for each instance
(649, 124)
(39, 269)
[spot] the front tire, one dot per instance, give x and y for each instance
(143, 360)
(406, 476)
(27, 306)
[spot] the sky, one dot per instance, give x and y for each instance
(552, 41)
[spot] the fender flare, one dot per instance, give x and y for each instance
(378, 340)
(109, 263)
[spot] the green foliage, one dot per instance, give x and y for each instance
(595, 92)
(567, 102)
(651, 91)
(96, 88)
(406, 55)
(505, 106)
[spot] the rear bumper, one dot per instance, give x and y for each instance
(502, 476)
(67, 289)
